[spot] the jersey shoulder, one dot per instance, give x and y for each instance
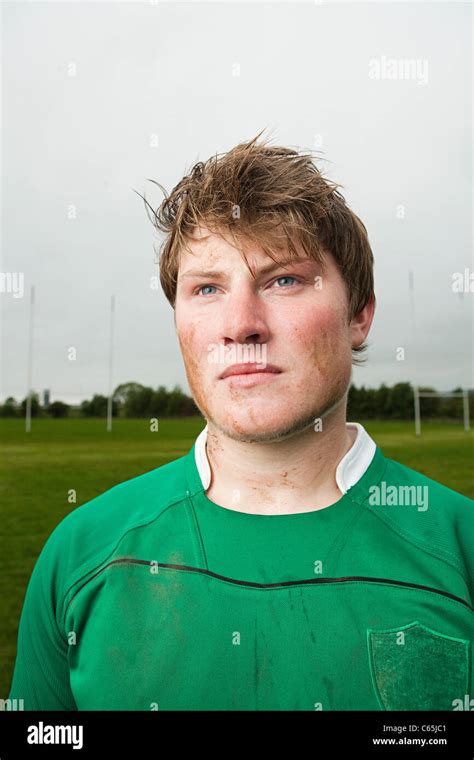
(87, 536)
(427, 514)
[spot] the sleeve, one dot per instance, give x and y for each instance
(41, 672)
(466, 541)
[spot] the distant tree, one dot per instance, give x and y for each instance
(9, 408)
(142, 401)
(121, 393)
(97, 407)
(382, 401)
(453, 407)
(401, 404)
(160, 402)
(365, 403)
(353, 406)
(430, 406)
(35, 406)
(371, 399)
(58, 409)
(176, 399)
(189, 408)
(139, 402)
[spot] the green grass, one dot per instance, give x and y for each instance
(39, 469)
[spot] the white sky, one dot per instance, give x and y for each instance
(168, 69)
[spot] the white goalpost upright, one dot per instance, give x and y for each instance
(29, 371)
(111, 357)
(463, 394)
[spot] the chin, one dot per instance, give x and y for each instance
(260, 427)
(246, 434)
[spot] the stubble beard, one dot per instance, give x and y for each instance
(300, 424)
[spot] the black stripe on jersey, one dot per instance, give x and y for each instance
(349, 578)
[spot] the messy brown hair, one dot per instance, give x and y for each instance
(267, 196)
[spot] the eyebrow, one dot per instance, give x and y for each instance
(262, 271)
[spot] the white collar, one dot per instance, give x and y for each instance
(349, 470)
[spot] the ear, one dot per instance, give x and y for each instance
(361, 323)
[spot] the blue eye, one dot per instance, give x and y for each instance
(286, 277)
(204, 286)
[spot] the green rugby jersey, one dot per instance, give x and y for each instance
(152, 597)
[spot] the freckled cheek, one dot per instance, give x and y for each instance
(194, 345)
(323, 337)
(317, 325)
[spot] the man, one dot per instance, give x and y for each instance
(284, 563)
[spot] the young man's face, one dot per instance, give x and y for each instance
(286, 318)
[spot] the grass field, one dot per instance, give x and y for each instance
(39, 468)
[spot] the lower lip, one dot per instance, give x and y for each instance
(252, 378)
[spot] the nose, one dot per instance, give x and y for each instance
(244, 319)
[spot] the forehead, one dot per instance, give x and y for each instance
(210, 248)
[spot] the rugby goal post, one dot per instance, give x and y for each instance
(424, 394)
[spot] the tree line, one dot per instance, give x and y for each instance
(128, 400)
(134, 400)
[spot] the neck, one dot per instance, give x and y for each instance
(294, 475)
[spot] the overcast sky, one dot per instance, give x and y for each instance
(97, 98)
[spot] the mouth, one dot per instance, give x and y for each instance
(249, 368)
(250, 374)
